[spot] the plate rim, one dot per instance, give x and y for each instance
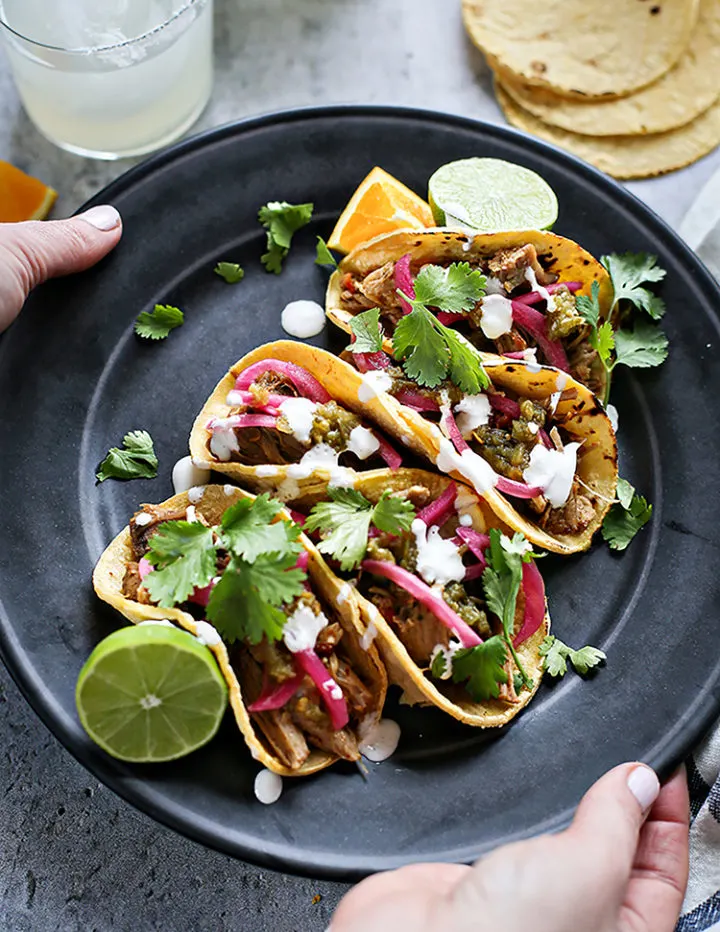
(119, 777)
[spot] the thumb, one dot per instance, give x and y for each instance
(38, 250)
(547, 882)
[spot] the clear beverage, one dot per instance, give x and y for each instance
(110, 78)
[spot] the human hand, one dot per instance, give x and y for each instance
(33, 251)
(622, 866)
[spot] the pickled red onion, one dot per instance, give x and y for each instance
(532, 321)
(448, 318)
(427, 597)
(242, 420)
(404, 281)
(388, 452)
(310, 663)
(416, 400)
(367, 362)
(534, 589)
(517, 489)
(277, 697)
(306, 384)
(504, 404)
(438, 512)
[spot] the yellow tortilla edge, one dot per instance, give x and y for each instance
(107, 582)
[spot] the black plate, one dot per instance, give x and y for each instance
(74, 379)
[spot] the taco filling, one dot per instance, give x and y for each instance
(459, 601)
(532, 455)
(520, 307)
(303, 682)
(280, 415)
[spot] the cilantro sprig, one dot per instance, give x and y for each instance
(482, 668)
(157, 324)
(259, 578)
(281, 220)
(230, 272)
(626, 517)
(246, 602)
(346, 521)
(556, 654)
(183, 554)
(136, 459)
(643, 346)
(431, 352)
(628, 273)
(368, 332)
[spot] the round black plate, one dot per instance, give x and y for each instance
(74, 379)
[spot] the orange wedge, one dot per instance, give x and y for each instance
(23, 197)
(381, 204)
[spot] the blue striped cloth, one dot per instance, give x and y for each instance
(701, 909)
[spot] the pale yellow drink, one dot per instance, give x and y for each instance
(110, 78)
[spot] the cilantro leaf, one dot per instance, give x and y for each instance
(231, 272)
(501, 585)
(438, 665)
(625, 492)
(482, 668)
(603, 340)
(184, 556)
(642, 347)
(245, 604)
(431, 352)
(586, 658)
(323, 256)
(348, 517)
(589, 307)
(393, 514)
(136, 461)
(465, 367)
(368, 332)
(281, 220)
(456, 289)
(625, 518)
(628, 272)
(246, 530)
(419, 344)
(555, 655)
(157, 324)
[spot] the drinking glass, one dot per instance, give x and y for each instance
(110, 78)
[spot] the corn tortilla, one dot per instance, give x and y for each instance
(580, 50)
(626, 157)
(677, 98)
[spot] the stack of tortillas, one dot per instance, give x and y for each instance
(632, 86)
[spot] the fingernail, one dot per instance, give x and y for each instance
(644, 785)
(104, 217)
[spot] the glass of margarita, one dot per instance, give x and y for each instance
(110, 78)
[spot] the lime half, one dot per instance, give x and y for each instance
(490, 196)
(150, 693)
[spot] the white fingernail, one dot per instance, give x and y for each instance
(644, 785)
(104, 217)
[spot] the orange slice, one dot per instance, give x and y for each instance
(23, 197)
(381, 204)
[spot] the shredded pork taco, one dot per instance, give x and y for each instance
(235, 571)
(522, 299)
(276, 421)
(452, 596)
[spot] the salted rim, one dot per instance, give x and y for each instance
(99, 48)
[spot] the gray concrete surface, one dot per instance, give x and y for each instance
(72, 855)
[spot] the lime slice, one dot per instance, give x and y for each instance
(150, 693)
(490, 195)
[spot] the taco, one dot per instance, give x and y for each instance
(303, 689)
(532, 280)
(280, 421)
(418, 548)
